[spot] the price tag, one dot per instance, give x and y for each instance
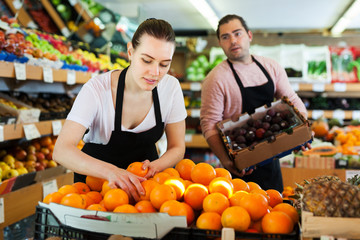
(318, 87)
(317, 114)
(356, 114)
(195, 113)
(195, 86)
(73, 2)
(2, 212)
(1, 133)
(339, 114)
(295, 86)
(49, 187)
(71, 77)
(48, 75)
(340, 87)
(20, 71)
(56, 126)
(31, 132)
(351, 173)
(188, 137)
(326, 237)
(17, 4)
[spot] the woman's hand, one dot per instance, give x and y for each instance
(153, 168)
(128, 182)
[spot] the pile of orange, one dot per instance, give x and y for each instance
(208, 197)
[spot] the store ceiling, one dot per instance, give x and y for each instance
(260, 15)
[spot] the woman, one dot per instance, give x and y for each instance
(126, 113)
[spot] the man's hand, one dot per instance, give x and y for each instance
(230, 166)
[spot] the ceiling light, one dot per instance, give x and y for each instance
(352, 12)
(207, 11)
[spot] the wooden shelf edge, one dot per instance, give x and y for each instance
(16, 131)
(7, 70)
(328, 114)
(195, 141)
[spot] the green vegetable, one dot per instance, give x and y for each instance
(355, 64)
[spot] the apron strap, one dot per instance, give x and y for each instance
(156, 106)
(262, 69)
(119, 99)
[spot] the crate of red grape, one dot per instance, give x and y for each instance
(269, 133)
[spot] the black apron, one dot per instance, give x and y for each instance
(124, 147)
(268, 175)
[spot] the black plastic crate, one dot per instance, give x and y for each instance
(47, 225)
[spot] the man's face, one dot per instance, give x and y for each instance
(234, 40)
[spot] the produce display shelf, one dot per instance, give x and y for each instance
(195, 141)
(328, 114)
(7, 70)
(84, 12)
(56, 17)
(16, 131)
(23, 17)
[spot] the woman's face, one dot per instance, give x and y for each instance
(150, 61)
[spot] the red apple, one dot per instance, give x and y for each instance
(20, 154)
(39, 156)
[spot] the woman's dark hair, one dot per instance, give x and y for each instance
(156, 28)
(227, 19)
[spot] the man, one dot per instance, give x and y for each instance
(241, 84)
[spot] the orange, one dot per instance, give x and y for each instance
(95, 196)
(187, 183)
(222, 172)
(66, 189)
(215, 202)
(256, 225)
(105, 188)
(190, 215)
(96, 207)
(209, 220)
(262, 192)
(237, 218)
(81, 187)
(145, 206)
(221, 185)
(240, 184)
(173, 208)
(178, 184)
(195, 194)
(115, 197)
(73, 200)
(275, 197)
(253, 185)
(126, 208)
(256, 205)
(203, 173)
(148, 186)
(184, 167)
(235, 198)
(161, 194)
(160, 177)
(172, 172)
(94, 183)
(277, 222)
(288, 209)
(54, 197)
(45, 141)
(87, 199)
(136, 168)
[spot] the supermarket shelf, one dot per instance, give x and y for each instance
(55, 17)
(23, 17)
(339, 114)
(194, 112)
(7, 70)
(81, 10)
(16, 131)
(193, 86)
(195, 141)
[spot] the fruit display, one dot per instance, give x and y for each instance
(208, 197)
(28, 157)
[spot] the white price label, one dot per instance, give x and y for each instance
(17, 4)
(356, 114)
(195, 86)
(56, 126)
(339, 114)
(31, 132)
(73, 2)
(188, 137)
(318, 87)
(2, 212)
(71, 77)
(20, 71)
(340, 87)
(48, 75)
(1, 133)
(195, 113)
(317, 114)
(351, 173)
(326, 237)
(295, 86)
(49, 187)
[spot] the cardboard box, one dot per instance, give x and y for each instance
(146, 225)
(286, 141)
(28, 115)
(315, 227)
